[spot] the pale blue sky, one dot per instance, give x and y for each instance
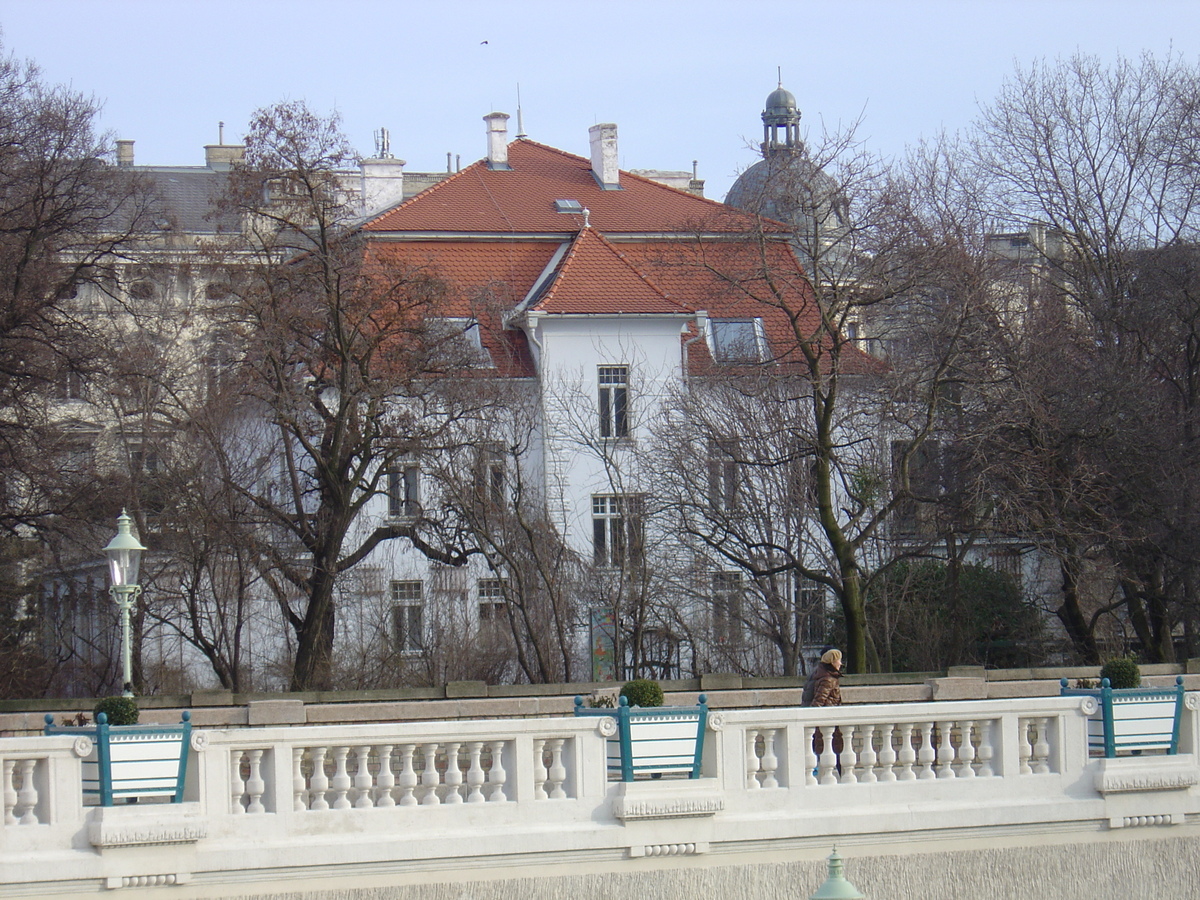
(683, 80)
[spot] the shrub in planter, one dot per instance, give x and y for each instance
(120, 710)
(642, 692)
(1122, 673)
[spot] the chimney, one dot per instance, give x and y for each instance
(124, 154)
(382, 184)
(497, 134)
(604, 156)
(221, 157)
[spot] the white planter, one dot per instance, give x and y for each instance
(133, 762)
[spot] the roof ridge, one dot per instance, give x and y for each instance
(429, 190)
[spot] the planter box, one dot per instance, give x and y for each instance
(131, 761)
(652, 742)
(1133, 720)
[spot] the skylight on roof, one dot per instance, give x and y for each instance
(568, 206)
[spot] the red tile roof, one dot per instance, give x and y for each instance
(521, 200)
(595, 278)
(479, 231)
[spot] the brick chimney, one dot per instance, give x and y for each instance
(497, 137)
(124, 154)
(604, 156)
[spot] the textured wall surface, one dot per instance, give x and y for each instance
(1111, 870)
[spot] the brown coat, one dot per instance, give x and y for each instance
(826, 691)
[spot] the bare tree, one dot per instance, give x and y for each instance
(872, 259)
(1091, 406)
(66, 218)
(346, 371)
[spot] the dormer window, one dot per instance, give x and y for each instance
(462, 342)
(737, 340)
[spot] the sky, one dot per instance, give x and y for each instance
(683, 81)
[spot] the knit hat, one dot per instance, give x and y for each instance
(832, 658)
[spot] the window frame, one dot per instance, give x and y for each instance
(403, 490)
(618, 530)
(612, 401)
(408, 616)
(724, 349)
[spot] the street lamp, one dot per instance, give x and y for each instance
(124, 555)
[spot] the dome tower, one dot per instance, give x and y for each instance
(781, 122)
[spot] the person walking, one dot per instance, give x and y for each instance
(823, 689)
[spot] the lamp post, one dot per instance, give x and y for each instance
(124, 556)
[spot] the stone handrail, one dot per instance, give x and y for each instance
(268, 809)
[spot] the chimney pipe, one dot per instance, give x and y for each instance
(497, 135)
(604, 156)
(124, 154)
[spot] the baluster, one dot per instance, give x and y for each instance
(237, 786)
(848, 757)
(908, 756)
(1024, 748)
(386, 779)
(27, 795)
(362, 778)
(945, 751)
(539, 769)
(558, 772)
(10, 792)
(887, 754)
(867, 758)
(752, 761)
(966, 751)
(1041, 750)
(497, 777)
(986, 730)
(429, 775)
(475, 774)
(299, 791)
(926, 755)
(770, 760)
(810, 756)
(408, 775)
(318, 785)
(828, 762)
(454, 777)
(341, 778)
(255, 784)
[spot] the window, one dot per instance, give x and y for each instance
(727, 596)
(917, 514)
(492, 605)
(617, 530)
(737, 340)
(70, 384)
(490, 476)
(221, 363)
(143, 459)
(722, 475)
(1008, 562)
(811, 614)
(407, 616)
(461, 342)
(403, 492)
(614, 401)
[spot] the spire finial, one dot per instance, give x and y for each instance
(779, 74)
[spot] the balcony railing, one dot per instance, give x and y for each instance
(292, 802)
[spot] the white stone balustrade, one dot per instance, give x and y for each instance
(268, 808)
